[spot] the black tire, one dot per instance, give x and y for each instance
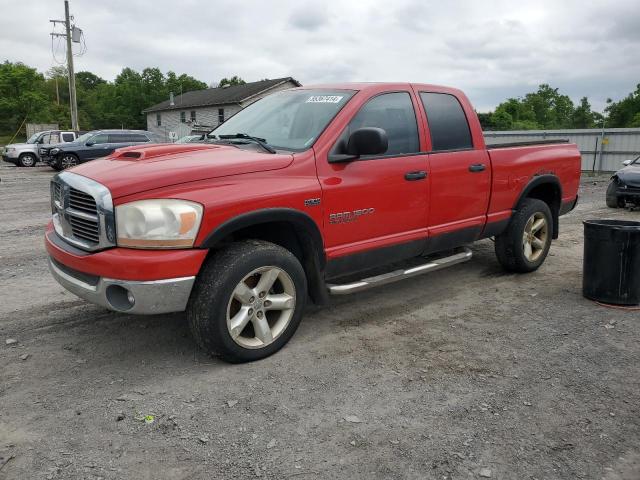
(613, 201)
(27, 160)
(212, 297)
(67, 160)
(509, 245)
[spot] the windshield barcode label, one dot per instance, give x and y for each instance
(324, 99)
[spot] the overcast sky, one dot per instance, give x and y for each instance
(490, 49)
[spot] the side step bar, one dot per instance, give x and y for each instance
(366, 283)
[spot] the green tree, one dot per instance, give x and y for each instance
(582, 116)
(235, 80)
(22, 95)
(624, 112)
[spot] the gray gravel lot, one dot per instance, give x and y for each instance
(467, 373)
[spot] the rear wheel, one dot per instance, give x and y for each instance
(248, 301)
(67, 160)
(27, 160)
(613, 200)
(524, 246)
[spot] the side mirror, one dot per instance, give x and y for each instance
(367, 141)
(627, 163)
(363, 141)
(90, 144)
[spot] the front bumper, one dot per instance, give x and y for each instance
(9, 159)
(160, 281)
(628, 191)
(141, 298)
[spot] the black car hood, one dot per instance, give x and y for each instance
(630, 175)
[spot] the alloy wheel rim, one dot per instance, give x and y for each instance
(28, 160)
(68, 161)
(261, 307)
(535, 236)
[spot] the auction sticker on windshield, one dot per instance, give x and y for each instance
(324, 99)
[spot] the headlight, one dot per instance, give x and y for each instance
(163, 223)
(11, 149)
(54, 151)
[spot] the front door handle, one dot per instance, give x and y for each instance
(477, 167)
(410, 176)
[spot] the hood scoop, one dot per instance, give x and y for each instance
(145, 152)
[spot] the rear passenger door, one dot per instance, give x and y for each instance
(460, 174)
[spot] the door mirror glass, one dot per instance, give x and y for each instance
(626, 162)
(367, 141)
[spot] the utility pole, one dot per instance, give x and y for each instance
(73, 100)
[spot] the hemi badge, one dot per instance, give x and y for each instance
(311, 202)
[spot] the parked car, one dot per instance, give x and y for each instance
(302, 193)
(92, 145)
(28, 154)
(625, 185)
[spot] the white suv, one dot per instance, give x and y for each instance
(28, 154)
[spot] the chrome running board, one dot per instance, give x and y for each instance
(396, 275)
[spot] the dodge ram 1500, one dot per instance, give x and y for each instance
(306, 193)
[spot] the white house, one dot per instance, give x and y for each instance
(201, 110)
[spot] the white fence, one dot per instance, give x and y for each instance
(40, 127)
(619, 144)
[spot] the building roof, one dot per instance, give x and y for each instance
(219, 95)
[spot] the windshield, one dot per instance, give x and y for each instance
(288, 120)
(636, 161)
(34, 138)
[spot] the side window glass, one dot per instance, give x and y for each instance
(100, 138)
(393, 112)
(67, 137)
(448, 124)
(118, 138)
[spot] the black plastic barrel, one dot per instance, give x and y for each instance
(611, 269)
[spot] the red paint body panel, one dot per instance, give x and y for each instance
(162, 166)
(229, 181)
(130, 264)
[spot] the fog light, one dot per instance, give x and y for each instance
(120, 298)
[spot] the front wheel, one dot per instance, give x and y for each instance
(248, 301)
(613, 200)
(27, 160)
(524, 245)
(67, 160)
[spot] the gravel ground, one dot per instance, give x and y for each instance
(467, 373)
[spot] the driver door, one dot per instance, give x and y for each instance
(376, 206)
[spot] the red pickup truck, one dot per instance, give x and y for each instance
(305, 193)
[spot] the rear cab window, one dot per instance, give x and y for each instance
(448, 124)
(68, 137)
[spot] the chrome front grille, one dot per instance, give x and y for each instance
(86, 229)
(82, 212)
(82, 201)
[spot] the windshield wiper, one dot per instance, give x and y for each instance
(243, 136)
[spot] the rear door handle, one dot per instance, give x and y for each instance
(477, 167)
(410, 176)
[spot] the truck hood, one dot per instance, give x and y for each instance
(139, 168)
(630, 175)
